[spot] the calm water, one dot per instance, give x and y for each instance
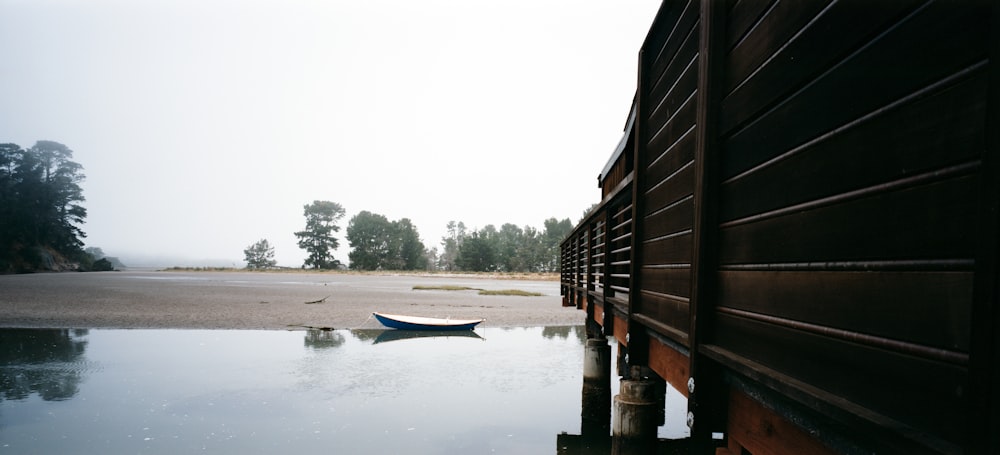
(184, 391)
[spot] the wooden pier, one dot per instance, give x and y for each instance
(798, 230)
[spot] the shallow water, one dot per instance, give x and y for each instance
(362, 391)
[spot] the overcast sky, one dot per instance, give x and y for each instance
(206, 125)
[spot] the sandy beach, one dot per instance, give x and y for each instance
(261, 300)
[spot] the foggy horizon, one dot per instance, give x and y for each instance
(203, 127)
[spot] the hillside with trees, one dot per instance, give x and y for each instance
(40, 209)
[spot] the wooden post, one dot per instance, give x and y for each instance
(984, 367)
(706, 391)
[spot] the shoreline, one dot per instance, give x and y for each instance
(518, 276)
(267, 300)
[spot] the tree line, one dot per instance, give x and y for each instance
(40, 208)
(41, 212)
(378, 243)
(508, 249)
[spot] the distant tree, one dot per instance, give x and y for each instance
(368, 234)
(411, 249)
(376, 243)
(530, 253)
(60, 196)
(11, 156)
(450, 245)
(260, 255)
(317, 238)
(97, 261)
(94, 252)
(509, 249)
(509, 258)
(588, 211)
(555, 232)
(477, 254)
(102, 265)
(431, 258)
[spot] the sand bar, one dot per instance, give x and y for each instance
(259, 300)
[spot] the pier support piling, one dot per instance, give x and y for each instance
(635, 418)
(596, 410)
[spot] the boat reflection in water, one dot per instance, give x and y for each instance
(247, 391)
(384, 336)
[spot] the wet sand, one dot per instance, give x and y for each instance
(255, 300)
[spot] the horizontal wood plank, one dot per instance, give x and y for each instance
(808, 55)
(742, 16)
(666, 105)
(670, 312)
(668, 161)
(673, 281)
(672, 188)
(772, 32)
(890, 68)
(937, 304)
(904, 141)
(671, 250)
(925, 222)
(923, 394)
(675, 218)
(679, 24)
(666, 136)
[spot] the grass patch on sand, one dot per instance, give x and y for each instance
(445, 288)
(514, 292)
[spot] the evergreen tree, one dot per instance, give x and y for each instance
(555, 232)
(450, 245)
(477, 254)
(378, 243)
(317, 238)
(369, 237)
(260, 255)
(40, 208)
(509, 249)
(508, 242)
(411, 250)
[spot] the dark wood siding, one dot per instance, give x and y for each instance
(665, 192)
(815, 211)
(847, 198)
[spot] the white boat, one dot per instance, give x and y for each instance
(396, 321)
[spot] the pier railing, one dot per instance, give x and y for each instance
(597, 255)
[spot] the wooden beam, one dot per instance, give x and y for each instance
(669, 364)
(620, 329)
(761, 431)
